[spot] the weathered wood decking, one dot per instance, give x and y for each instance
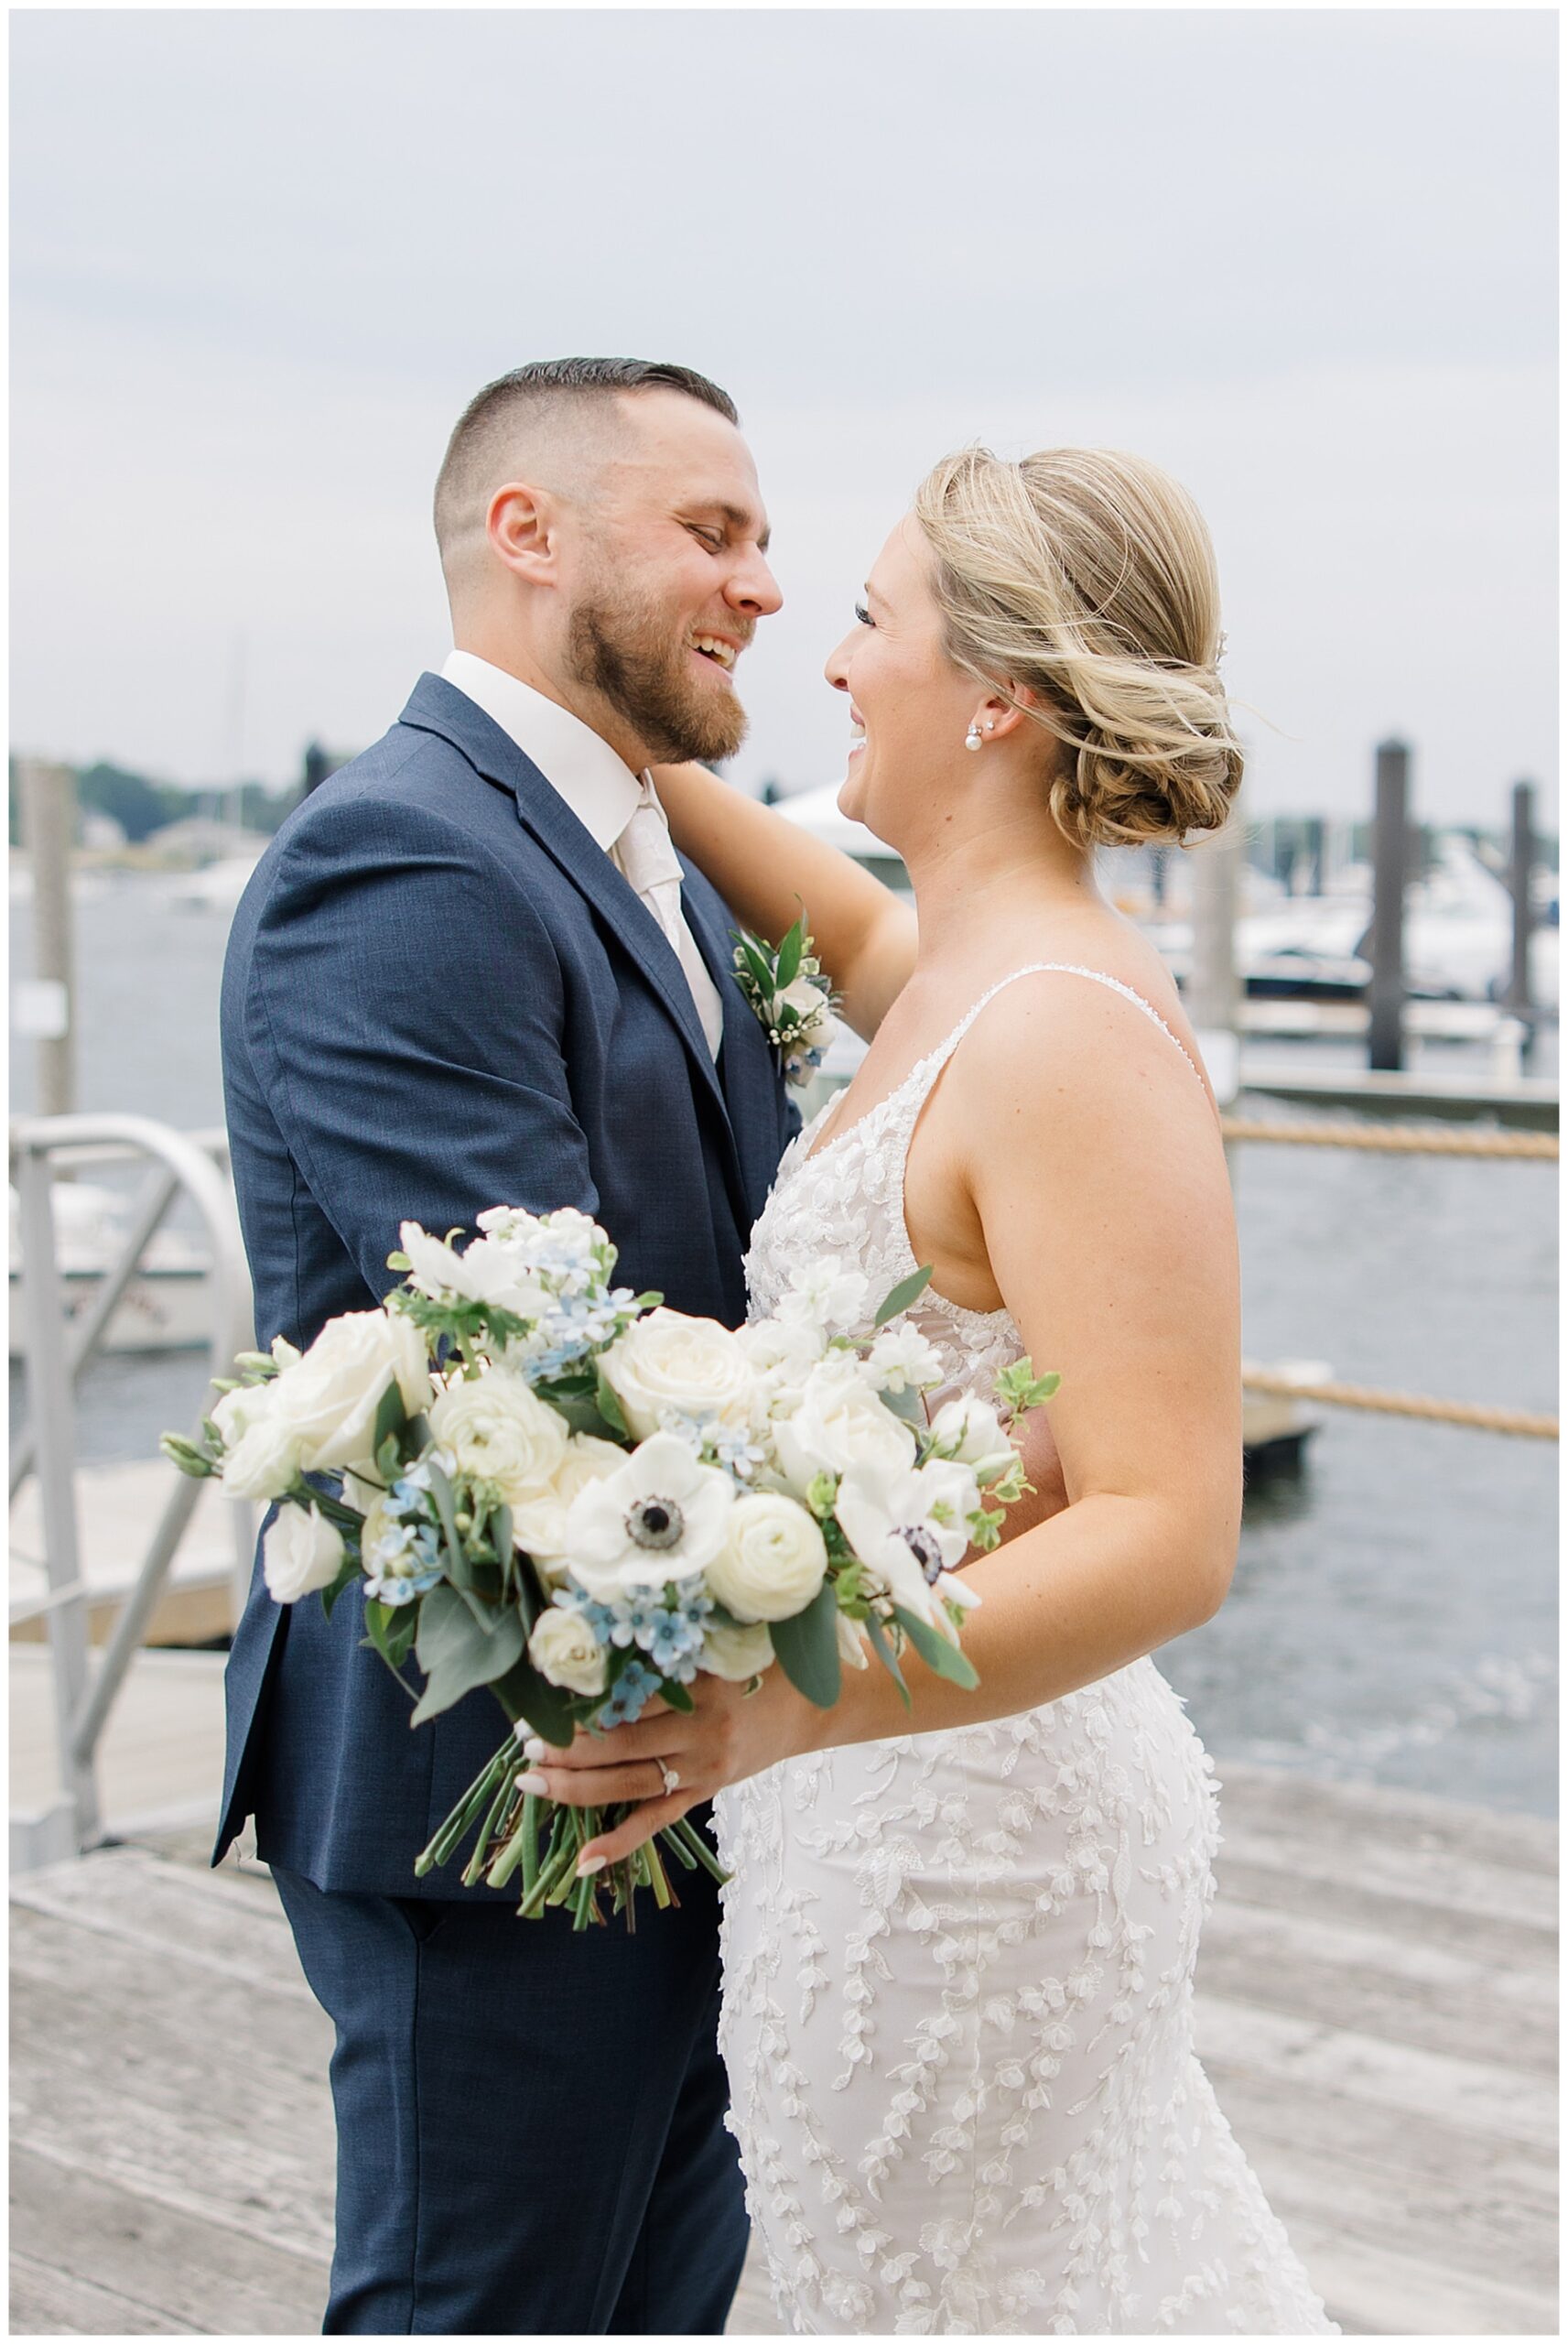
(1378, 1993)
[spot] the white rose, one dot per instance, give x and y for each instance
(540, 1526)
(499, 1430)
(300, 1553)
(238, 1410)
(564, 1648)
(265, 1460)
(972, 1430)
(807, 1000)
(772, 1560)
(839, 1423)
(736, 1653)
(329, 1399)
(669, 1361)
(488, 1271)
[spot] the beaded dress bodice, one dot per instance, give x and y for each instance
(957, 1965)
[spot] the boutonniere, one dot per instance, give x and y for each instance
(794, 1002)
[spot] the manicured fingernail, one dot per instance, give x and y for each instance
(535, 1786)
(590, 1864)
(534, 1748)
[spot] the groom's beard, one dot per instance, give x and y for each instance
(624, 653)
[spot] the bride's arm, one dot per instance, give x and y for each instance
(1100, 1186)
(767, 869)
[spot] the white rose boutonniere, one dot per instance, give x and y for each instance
(792, 999)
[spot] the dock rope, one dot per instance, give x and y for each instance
(1426, 1140)
(1519, 1421)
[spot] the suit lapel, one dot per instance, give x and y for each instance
(437, 705)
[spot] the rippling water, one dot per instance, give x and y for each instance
(1394, 1617)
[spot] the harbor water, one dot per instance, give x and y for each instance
(1393, 1616)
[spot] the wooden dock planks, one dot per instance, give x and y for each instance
(1377, 2010)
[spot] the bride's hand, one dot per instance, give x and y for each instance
(729, 1734)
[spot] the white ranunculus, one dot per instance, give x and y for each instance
(328, 1401)
(902, 1359)
(300, 1553)
(838, 1421)
(973, 1431)
(736, 1653)
(662, 1516)
(564, 1648)
(668, 1360)
(539, 1527)
(498, 1430)
(772, 1560)
(827, 1293)
(487, 1270)
(265, 1462)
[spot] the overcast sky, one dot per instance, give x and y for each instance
(1306, 260)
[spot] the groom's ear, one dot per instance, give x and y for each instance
(523, 526)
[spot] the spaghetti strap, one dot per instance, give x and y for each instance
(940, 1057)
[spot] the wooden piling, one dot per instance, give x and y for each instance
(1521, 863)
(1390, 844)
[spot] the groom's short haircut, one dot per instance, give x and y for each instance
(558, 400)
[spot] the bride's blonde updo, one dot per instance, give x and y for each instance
(1090, 578)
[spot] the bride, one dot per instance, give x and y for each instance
(958, 1946)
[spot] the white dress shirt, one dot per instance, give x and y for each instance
(604, 794)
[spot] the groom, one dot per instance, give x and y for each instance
(471, 969)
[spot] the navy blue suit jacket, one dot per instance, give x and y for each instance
(440, 994)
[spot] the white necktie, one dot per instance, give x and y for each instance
(645, 856)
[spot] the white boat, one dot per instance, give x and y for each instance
(166, 1308)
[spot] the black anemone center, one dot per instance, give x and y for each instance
(656, 1523)
(923, 1547)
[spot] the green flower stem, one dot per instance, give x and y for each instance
(554, 1875)
(476, 1863)
(468, 1810)
(530, 1839)
(663, 1895)
(694, 1839)
(677, 1847)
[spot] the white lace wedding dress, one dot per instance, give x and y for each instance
(957, 1966)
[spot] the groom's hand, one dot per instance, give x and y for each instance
(669, 1762)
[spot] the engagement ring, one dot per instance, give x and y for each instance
(668, 1777)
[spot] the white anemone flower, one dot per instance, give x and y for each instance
(907, 1525)
(663, 1516)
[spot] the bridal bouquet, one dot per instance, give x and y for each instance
(541, 1483)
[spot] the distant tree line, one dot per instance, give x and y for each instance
(141, 807)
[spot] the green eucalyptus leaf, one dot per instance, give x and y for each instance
(907, 1290)
(943, 1659)
(347, 1573)
(883, 1646)
(457, 1654)
(548, 1709)
(807, 1648)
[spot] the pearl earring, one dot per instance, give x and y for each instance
(972, 737)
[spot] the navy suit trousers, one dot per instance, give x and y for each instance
(503, 2108)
